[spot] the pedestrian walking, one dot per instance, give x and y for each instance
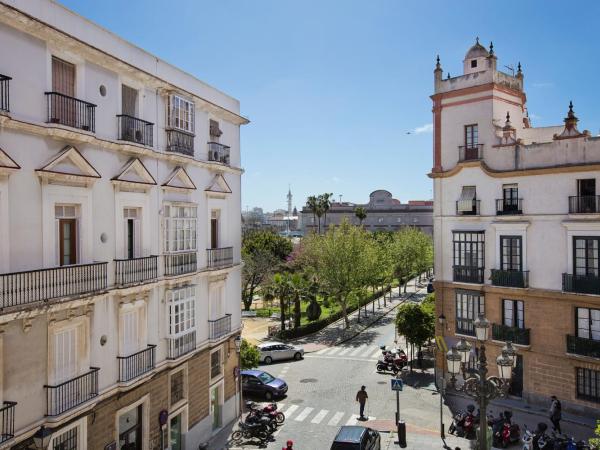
(361, 398)
(555, 414)
(289, 445)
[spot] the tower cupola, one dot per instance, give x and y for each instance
(476, 59)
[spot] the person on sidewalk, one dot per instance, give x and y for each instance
(289, 445)
(555, 414)
(361, 398)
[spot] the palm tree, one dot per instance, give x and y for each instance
(281, 289)
(360, 213)
(299, 288)
(314, 206)
(325, 204)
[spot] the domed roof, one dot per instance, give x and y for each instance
(477, 51)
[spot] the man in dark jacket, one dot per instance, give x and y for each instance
(361, 398)
(555, 414)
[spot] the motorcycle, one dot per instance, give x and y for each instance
(258, 417)
(249, 431)
(505, 432)
(269, 410)
(393, 361)
(563, 442)
(538, 439)
(463, 424)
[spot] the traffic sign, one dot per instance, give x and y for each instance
(396, 384)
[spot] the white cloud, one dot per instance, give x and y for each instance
(336, 179)
(427, 128)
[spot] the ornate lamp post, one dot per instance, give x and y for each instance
(478, 385)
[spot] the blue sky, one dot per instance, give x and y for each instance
(333, 86)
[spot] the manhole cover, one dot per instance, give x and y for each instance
(297, 401)
(308, 380)
(381, 382)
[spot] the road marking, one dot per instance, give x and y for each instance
(304, 414)
(346, 350)
(347, 358)
(367, 352)
(290, 410)
(357, 351)
(334, 350)
(352, 419)
(323, 350)
(280, 406)
(335, 419)
(376, 354)
(319, 417)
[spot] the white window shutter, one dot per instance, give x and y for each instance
(137, 238)
(130, 332)
(65, 355)
(125, 240)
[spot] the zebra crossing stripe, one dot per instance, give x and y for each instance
(367, 352)
(280, 406)
(304, 414)
(290, 410)
(343, 352)
(376, 354)
(356, 351)
(335, 419)
(352, 419)
(319, 417)
(323, 350)
(334, 350)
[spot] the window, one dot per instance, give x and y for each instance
(65, 355)
(468, 307)
(130, 429)
(214, 129)
(510, 197)
(129, 101)
(216, 364)
(588, 384)
(70, 437)
(181, 114)
(131, 217)
(586, 187)
(178, 386)
(214, 228)
(588, 323)
(467, 203)
(471, 136)
(180, 228)
(67, 233)
(182, 310)
(133, 327)
(216, 302)
(468, 257)
(585, 256)
(510, 253)
(513, 313)
(63, 80)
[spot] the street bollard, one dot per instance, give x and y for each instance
(402, 434)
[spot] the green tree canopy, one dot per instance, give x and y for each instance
(415, 323)
(249, 355)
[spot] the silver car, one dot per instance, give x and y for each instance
(276, 351)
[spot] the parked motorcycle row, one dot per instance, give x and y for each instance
(506, 433)
(260, 423)
(392, 361)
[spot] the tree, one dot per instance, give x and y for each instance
(338, 259)
(325, 203)
(595, 442)
(360, 213)
(405, 253)
(415, 323)
(249, 355)
(263, 251)
(314, 205)
(281, 288)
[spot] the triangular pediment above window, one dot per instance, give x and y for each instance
(179, 179)
(69, 165)
(7, 164)
(135, 172)
(218, 186)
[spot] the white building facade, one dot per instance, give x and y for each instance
(119, 240)
(517, 231)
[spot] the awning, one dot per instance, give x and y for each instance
(465, 202)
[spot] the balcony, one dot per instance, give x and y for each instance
(515, 335)
(472, 211)
(219, 327)
(72, 393)
(583, 346)
(7, 421)
(136, 365)
(509, 207)
(584, 204)
(179, 346)
(218, 153)
(22, 288)
(129, 272)
(467, 274)
(5, 93)
(181, 263)
(219, 257)
(136, 130)
(473, 153)
(582, 284)
(180, 142)
(465, 327)
(71, 112)
(510, 278)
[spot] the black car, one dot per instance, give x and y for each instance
(263, 384)
(355, 437)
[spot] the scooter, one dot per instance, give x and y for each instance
(463, 424)
(505, 432)
(269, 410)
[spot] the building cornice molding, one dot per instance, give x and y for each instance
(570, 168)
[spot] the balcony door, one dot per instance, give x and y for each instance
(63, 82)
(585, 256)
(214, 229)
(132, 233)
(588, 323)
(513, 313)
(67, 229)
(510, 253)
(471, 142)
(65, 356)
(586, 192)
(130, 429)
(510, 197)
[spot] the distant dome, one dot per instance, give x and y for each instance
(477, 51)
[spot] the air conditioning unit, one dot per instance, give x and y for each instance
(129, 134)
(139, 136)
(215, 156)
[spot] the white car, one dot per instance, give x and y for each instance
(276, 351)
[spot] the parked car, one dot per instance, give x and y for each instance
(276, 351)
(355, 437)
(263, 384)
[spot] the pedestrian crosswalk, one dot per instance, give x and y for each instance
(365, 352)
(332, 419)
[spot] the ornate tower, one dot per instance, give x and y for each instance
(289, 202)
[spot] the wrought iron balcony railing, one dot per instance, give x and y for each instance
(136, 130)
(219, 327)
(218, 153)
(7, 421)
(180, 263)
(136, 365)
(180, 142)
(583, 284)
(510, 278)
(180, 345)
(582, 204)
(509, 206)
(71, 111)
(71, 393)
(473, 208)
(136, 270)
(21, 288)
(583, 347)
(5, 93)
(468, 274)
(219, 257)
(470, 153)
(515, 335)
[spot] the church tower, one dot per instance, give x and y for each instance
(289, 201)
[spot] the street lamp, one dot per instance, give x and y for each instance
(42, 437)
(478, 385)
